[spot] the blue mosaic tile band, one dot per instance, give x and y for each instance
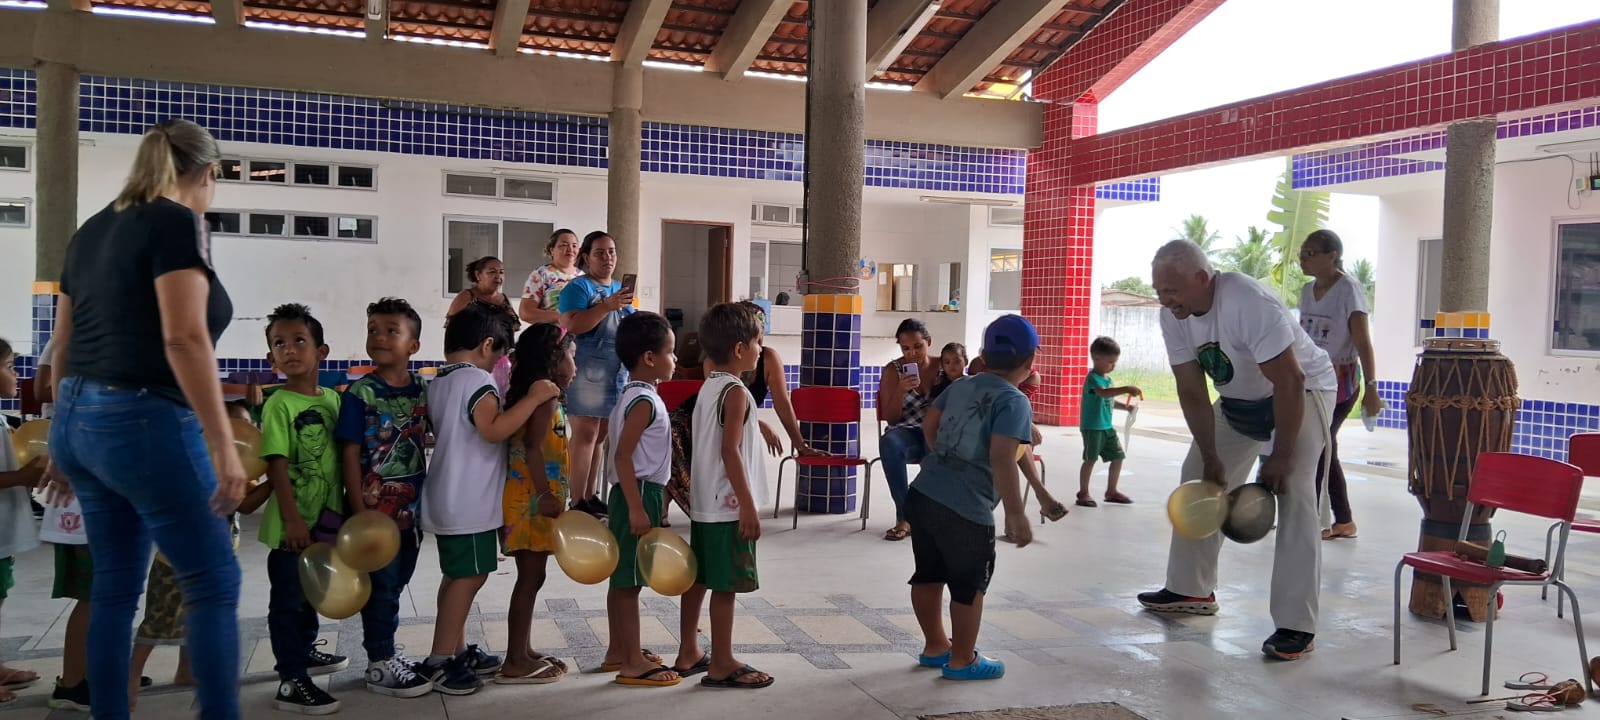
(43, 320)
(280, 117)
(830, 355)
(1541, 428)
(1385, 158)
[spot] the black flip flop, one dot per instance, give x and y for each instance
(700, 666)
(732, 680)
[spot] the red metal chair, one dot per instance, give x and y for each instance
(675, 392)
(30, 405)
(1583, 450)
(825, 405)
(1518, 483)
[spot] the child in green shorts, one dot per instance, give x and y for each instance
(1094, 421)
(729, 485)
(641, 432)
(17, 530)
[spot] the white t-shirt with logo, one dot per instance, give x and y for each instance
(467, 475)
(1247, 325)
(1327, 321)
(652, 457)
(711, 493)
(61, 525)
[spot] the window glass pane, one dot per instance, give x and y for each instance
(1430, 265)
(758, 270)
(526, 189)
(14, 156)
(775, 214)
(1577, 325)
(355, 177)
(522, 251)
(355, 228)
(465, 241)
(310, 174)
(232, 169)
(271, 172)
(783, 264)
(223, 223)
(470, 185)
(13, 212)
(311, 226)
(1005, 279)
(266, 224)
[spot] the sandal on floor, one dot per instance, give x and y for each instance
(1053, 513)
(1085, 501)
(1340, 530)
(981, 669)
(700, 666)
(1118, 498)
(558, 662)
(732, 680)
(540, 675)
(934, 661)
(17, 679)
(649, 657)
(1530, 681)
(1537, 702)
(650, 679)
(896, 534)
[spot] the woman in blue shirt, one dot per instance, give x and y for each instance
(591, 306)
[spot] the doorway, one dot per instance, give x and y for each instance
(696, 273)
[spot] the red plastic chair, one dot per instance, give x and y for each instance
(824, 405)
(1583, 450)
(1518, 483)
(30, 405)
(674, 393)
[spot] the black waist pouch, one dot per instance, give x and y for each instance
(1250, 418)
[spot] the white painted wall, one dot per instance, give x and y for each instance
(1529, 199)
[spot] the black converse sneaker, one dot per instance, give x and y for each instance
(1287, 644)
(321, 663)
(301, 695)
(74, 698)
(450, 676)
(1165, 600)
(481, 663)
(394, 677)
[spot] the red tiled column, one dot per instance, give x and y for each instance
(1057, 262)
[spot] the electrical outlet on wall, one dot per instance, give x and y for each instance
(647, 291)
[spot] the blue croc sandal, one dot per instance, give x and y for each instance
(934, 661)
(983, 669)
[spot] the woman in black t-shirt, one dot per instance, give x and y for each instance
(140, 430)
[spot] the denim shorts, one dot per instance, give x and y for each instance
(593, 393)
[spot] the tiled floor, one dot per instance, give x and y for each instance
(833, 623)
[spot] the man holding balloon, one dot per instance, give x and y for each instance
(1275, 384)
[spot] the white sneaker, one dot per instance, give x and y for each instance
(394, 677)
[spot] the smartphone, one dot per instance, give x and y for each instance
(908, 370)
(628, 282)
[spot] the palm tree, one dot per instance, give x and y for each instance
(1363, 273)
(1195, 230)
(1297, 212)
(1251, 255)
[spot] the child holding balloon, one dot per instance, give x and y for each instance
(641, 433)
(17, 530)
(536, 491)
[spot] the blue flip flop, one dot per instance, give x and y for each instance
(982, 669)
(934, 661)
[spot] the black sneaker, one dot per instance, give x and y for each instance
(1289, 644)
(321, 663)
(481, 663)
(396, 677)
(1165, 600)
(596, 507)
(302, 696)
(451, 676)
(74, 698)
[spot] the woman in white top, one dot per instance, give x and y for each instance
(1333, 311)
(542, 292)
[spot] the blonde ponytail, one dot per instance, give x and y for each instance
(171, 150)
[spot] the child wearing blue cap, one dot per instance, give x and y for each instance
(975, 427)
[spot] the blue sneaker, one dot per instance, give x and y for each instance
(981, 669)
(481, 663)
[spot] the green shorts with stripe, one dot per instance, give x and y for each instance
(74, 572)
(1101, 445)
(727, 563)
(464, 556)
(653, 497)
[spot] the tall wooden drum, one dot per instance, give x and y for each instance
(1462, 402)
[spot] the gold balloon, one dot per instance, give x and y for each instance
(1252, 511)
(1197, 509)
(585, 549)
(31, 441)
(666, 562)
(368, 541)
(1024, 450)
(335, 589)
(247, 443)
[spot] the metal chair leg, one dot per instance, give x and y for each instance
(1577, 626)
(1398, 569)
(777, 494)
(1549, 541)
(1449, 609)
(1560, 571)
(1488, 636)
(866, 497)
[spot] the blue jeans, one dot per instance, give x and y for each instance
(899, 448)
(381, 617)
(142, 473)
(291, 621)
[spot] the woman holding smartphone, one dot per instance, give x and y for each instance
(591, 307)
(903, 399)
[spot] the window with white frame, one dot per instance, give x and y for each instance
(13, 156)
(1005, 279)
(1430, 264)
(525, 188)
(1577, 288)
(338, 227)
(774, 265)
(15, 213)
(298, 173)
(518, 243)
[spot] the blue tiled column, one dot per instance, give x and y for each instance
(830, 355)
(45, 298)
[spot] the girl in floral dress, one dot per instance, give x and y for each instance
(536, 492)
